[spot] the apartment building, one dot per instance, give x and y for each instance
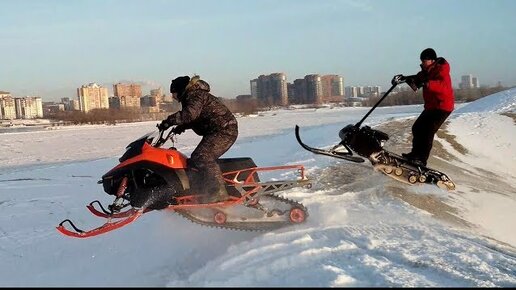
(314, 92)
(7, 107)
(270, 89)
(124, 90)
(469, 82)
(332, 88)
(126, 96)
(28, 107)
(92, 96)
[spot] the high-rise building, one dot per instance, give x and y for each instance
(360, 91)
(92, 96)
(254, 88)
(314, 91)
(351, 92)
(158, 95)
(291, 93)
(299, 95)
(7, 107)
(371, 91)
(475, 82)
(466, 82)
(124, 90)
(124, 102)
(28, 107)
(279, 88)
(126, 96)
(149, 101)
(70, 104)
(332, 88)
(271, 89)
(2, 95)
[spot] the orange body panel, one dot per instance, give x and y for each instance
(167, 157)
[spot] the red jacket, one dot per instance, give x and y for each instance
(437, 88)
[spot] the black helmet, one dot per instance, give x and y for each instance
(179, 84)
(428, 54)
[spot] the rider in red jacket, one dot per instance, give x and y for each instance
(435, 80)
(437, 86)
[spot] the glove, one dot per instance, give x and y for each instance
(165, 124)
(398, 79)
(416, 81)
(179, 129)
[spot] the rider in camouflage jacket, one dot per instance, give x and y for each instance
(207, 116)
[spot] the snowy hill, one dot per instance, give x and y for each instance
(364, 229)
(501, 102)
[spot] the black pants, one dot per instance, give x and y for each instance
(423, 132)
(209, 179)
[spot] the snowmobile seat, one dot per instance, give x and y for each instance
(239, 163)
(233, 164)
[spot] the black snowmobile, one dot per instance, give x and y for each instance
(149, 177)
(368, 143)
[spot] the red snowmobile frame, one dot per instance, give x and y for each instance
(170, 167)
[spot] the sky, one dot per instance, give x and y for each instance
(49, 48)
(363, 229)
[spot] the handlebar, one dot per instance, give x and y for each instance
(162, 140)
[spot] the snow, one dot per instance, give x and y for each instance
(490, 139)
(497, 103)
(359, 232)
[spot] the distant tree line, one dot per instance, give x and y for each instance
(244, 106)
(106, 116)
(409, 97)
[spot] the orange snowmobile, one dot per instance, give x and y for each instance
(150, 177)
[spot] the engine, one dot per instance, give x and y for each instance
(364, 141)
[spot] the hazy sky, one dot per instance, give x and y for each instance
(49, 48)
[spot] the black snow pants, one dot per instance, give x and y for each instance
(208, 179)
(423, 132)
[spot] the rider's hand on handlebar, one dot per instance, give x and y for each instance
(178, 129)
(398, 79)
(164, 125)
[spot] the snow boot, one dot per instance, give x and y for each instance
(218, 196)
(408, 156)
(414, 159)
(215, 191)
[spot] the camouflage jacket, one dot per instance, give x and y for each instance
(201, 111)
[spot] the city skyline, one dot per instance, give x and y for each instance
(50, 48)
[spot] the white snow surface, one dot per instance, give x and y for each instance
(500, 102)
(358, 234)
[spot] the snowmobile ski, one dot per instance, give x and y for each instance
(109, 226)
(339, 151)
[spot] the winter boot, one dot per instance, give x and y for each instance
(215, 190)
(408, 156)
(218, 195)
(414, 159)
(419, 162)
